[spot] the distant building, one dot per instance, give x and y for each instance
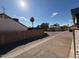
(10, 24)
(55, 28)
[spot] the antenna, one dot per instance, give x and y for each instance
(3, 10)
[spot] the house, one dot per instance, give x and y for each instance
(55, 28)
(8, 23)
(75, 16)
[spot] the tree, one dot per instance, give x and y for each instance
(32, 20)
(44, 26)
(65, 27)
(56, 24)
(38, 27)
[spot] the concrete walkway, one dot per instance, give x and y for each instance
(72, 51)
(56, 46)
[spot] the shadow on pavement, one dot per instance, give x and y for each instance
(8, 47)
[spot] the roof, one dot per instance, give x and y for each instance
(8, 24)
(5, 15)
(12, 18)
(75, 10)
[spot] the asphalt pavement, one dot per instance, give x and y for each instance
(57, 45)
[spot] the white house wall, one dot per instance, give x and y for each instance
(7, 24)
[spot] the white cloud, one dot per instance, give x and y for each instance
(23, 19)
(54, 14)
(66, 24)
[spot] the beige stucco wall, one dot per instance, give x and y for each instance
(7, 24)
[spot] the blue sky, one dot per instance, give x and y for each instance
(50, 11)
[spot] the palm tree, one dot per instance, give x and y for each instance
(32, 20)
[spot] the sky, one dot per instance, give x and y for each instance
(43, 11)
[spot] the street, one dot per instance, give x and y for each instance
(57, 45)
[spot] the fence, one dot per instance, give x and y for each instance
(8, 37)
